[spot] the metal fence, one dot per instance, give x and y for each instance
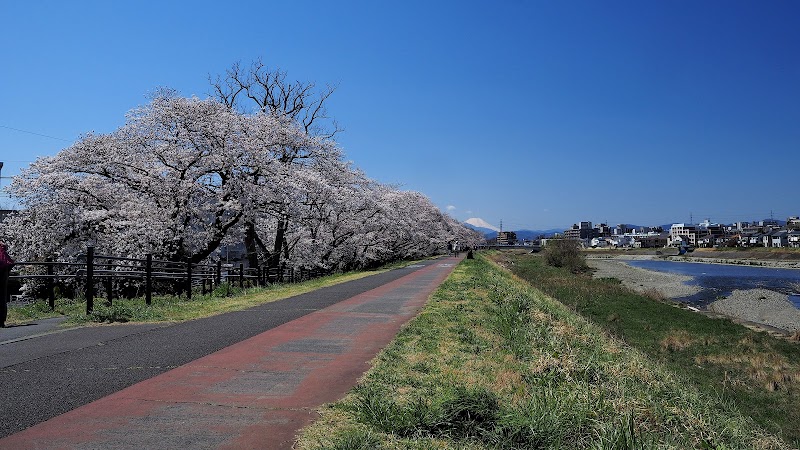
(128, 277)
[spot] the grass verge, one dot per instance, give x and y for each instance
(491, 362)
(177, 309)
(754, 371)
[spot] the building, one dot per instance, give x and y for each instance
(769, 223)
(683, 233)
(779, 239)
(506, 238)
(793, 238)
(602, 230)
(581, 232)
(622, 229)
(651, 240)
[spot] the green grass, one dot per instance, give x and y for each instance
(491, 362)
(754, 371)
(176, 309)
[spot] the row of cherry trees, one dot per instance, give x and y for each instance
(186, 176)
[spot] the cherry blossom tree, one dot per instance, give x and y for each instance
(184, 176)
(174, 180)
(267, 91)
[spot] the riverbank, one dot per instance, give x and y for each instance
(667, 285)
(758, 306)
(778, 258)
(707, 259)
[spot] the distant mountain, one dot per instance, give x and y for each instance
(487, 232)
(490, 233)
(533, 234)
(478, 223)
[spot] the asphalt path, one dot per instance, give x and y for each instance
(47, 374)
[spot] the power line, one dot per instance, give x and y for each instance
(34, 133)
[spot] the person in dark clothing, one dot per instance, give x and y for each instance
(6, 263)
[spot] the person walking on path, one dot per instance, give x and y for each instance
(6, 263)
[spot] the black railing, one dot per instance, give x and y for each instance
(127, 276)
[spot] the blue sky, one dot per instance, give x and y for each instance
(539, 114)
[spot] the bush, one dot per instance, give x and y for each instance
(565, 253)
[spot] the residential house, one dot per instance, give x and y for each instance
(793, 237)
(651, 240)
(706, 241)
(743, 239)
(779, 239)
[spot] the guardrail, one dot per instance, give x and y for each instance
(152, 275)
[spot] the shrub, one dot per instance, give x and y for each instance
(565, 253)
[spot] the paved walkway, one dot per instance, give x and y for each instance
(14, 333)
(253, 394)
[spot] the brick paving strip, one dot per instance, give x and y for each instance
(253, 394)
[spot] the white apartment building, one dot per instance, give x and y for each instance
(685, 232)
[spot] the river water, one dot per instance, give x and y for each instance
(719, 280)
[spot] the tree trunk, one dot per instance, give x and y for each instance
(251, 245)
(280, 238)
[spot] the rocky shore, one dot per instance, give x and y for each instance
(777, 264)
(667, 285)
(759, 306)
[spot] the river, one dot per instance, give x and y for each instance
(719, 280)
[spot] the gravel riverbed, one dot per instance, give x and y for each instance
(760, 306)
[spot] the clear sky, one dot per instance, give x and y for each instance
(537, 113)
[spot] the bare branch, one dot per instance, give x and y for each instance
(269, 92)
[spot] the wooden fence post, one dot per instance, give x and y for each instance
(51, 295)
(241, 276)
(109, 285)
(188, 278)
(89, 280)
(148, 277)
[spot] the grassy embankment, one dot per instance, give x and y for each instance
(754, 371)
(491, 362)
(176, 309)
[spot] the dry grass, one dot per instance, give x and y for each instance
(655, 294)
(676, 341)
(772, 371)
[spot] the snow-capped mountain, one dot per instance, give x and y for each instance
(480, 223)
